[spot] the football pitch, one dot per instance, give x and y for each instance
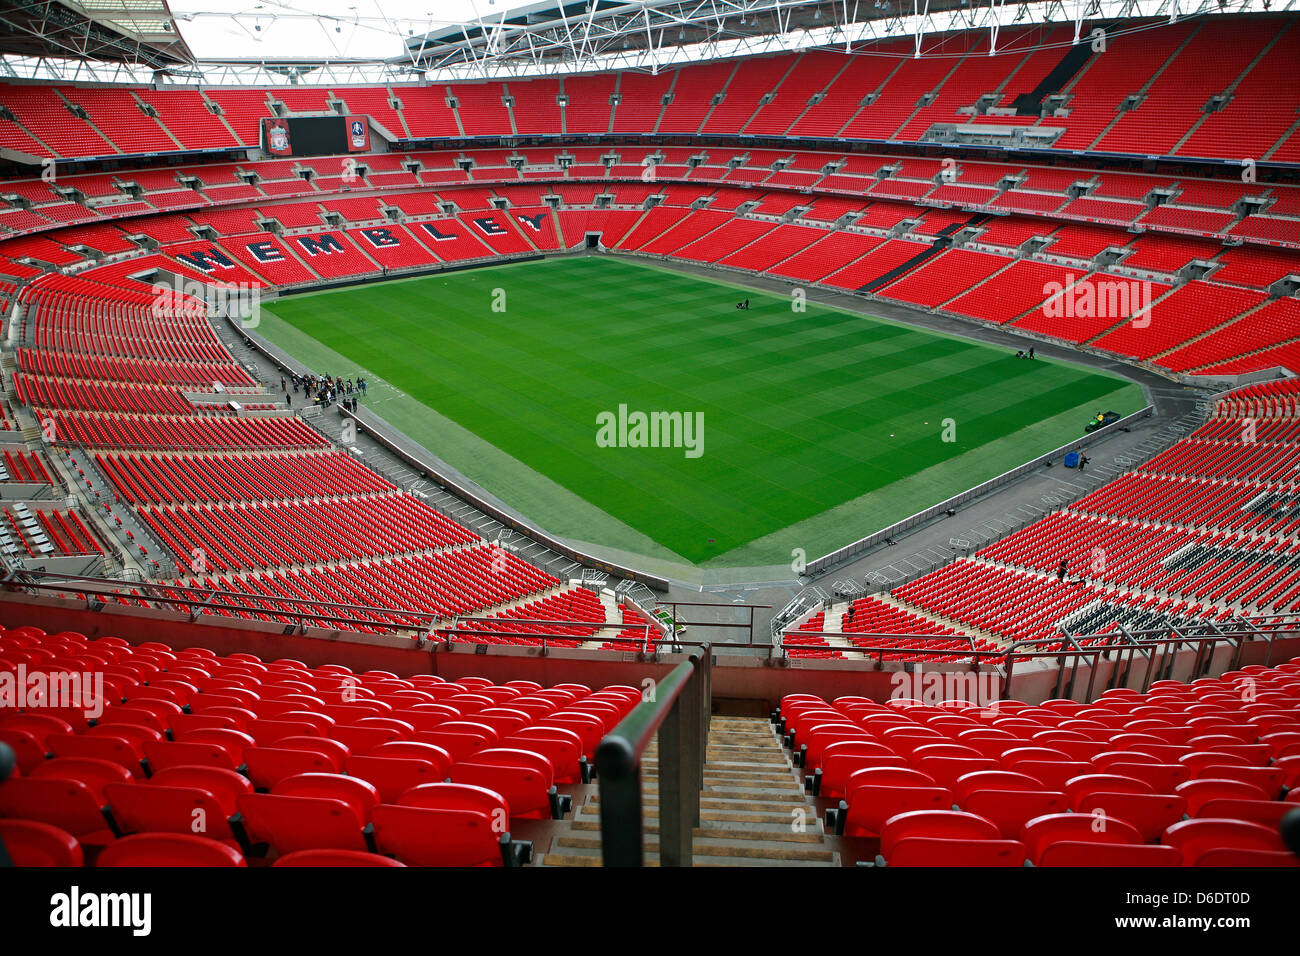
(783, 428)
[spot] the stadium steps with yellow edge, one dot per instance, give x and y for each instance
(834, 621)
(753, 811)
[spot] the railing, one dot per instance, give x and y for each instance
(1158, 647)
(678, 709)
(98, 592)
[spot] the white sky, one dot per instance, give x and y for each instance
(228, 29)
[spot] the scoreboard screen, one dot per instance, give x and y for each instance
(315, 135)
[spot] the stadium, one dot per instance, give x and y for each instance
(781, 433)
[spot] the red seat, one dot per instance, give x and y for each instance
(523, 778)
(935, 824)
(1232, 856)
(225, 786)
(1199, 792)
(447, 824)
(359, 794)
(168, 849)
(871, 805)
(1148, 813)
(28, 751)
(417, 750)
(1270, 780)
(333, 858)
(1085, 853)
(947, 770)
(930, 851)
(1267, 813)
(563, 748)
(393, 776)
(1041, 832)
(67, 804)
(149, 808)
(840, 760)
(1193, 838)
(1161, 777)
(289, 823)
(267, 766)
(1012, 809)
(31, 843)
(94, 773)
(162, 754)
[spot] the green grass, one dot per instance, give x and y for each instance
(819, 427)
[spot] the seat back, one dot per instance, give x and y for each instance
(1077, 853)
(31, 843)
(267, 766)
(937, 824)
(301, 823)
(67, 804)
(149, 808)
(929, 851)
(425, 836)
(334, 858)
(393, 776)
(1041, 832)
(359, 794)
(168, 849)
(1148, 813)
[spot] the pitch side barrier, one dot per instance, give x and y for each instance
(819, 566)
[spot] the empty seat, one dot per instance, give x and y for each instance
(359, 794)
(31, 843)
(1194, 838)
(393, 776)
(1078, 828)
(935, 851)
(289, 823)
(168, 849)
(266, 766)
(332, 858)
(448, 824)
(149, 808)
(522, 777)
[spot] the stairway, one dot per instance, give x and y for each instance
(834, 621)
(1031, 103)
(749, 808)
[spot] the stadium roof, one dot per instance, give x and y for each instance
(132, 31)
(342, 41)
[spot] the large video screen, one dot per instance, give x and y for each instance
(315, 135)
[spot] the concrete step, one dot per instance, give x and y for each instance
(753, 811)
(713, 846)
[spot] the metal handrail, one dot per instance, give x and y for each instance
(678, 709)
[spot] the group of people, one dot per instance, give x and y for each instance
(325, 390)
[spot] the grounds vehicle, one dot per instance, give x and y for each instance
(1101, 420)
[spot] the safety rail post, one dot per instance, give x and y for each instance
(675, 711)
